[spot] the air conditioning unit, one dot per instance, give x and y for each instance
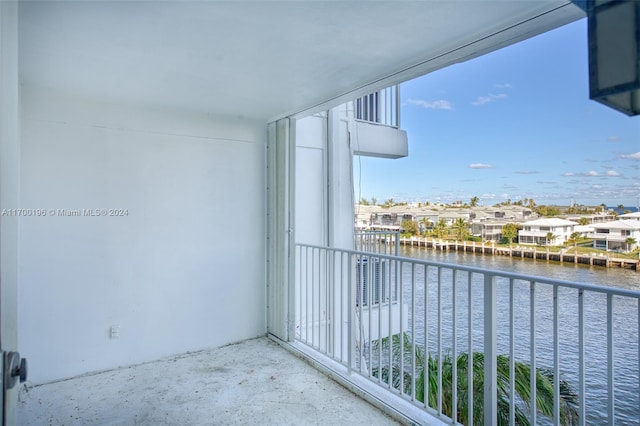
(374, 280)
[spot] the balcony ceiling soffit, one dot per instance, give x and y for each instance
(257, 59)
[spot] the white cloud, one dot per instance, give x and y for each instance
(439, 104)
(481, 100)
(503, 86)
(613, 139)
(480, 166)
(592, 173)
(634, 156)
(527, 172)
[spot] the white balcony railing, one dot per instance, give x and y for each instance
(381, 107)
(610, 237)
(573, 348)
(382, 242)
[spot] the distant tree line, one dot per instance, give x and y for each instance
(542, 210)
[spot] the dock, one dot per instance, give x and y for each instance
(523, 252)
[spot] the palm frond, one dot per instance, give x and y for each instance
(401, 367)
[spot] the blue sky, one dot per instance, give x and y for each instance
(513, 124)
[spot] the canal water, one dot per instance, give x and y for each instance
(614, 277)
(626, 317)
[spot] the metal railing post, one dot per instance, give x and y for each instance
(610, 363)
(397, 238)
(397, 123)
(581, 370)
(352, 315)
(490, 352)
(533, 389)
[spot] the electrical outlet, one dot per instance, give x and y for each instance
(114, 332)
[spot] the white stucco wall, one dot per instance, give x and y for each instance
(182, 271)
(311, 180)
(9, 195)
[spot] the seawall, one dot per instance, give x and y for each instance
(523, 252)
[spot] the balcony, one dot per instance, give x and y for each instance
(572, 348)
(253, 382)
(380, 107)
(586, 335)
(377, 125)
(608, 236)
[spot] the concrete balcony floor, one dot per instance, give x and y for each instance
(249, 383)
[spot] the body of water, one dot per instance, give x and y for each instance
(614, 277)
(625, 209)
(626, 317)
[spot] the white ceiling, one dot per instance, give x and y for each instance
(262, 59)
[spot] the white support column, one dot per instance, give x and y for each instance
(340, 220)
(340, 182)
(280, 233)
(9, 189)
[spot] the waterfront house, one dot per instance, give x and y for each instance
(366, 216)
(630, 216)
(487, 222)
(163, 117)
(601, 217)
(449, 216)
(511, 212)
(613, 236)
(538, 231)
(488, 230)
